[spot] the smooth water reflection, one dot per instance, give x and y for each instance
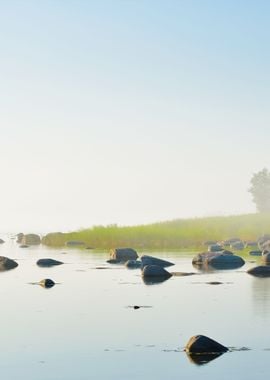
(84, 328)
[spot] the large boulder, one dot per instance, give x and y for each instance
(54, 239)
(260, 271)
(149, 260)
(31, 239)
(218, 260)
(6, 263)
(123, 254)
(200, 344)
(48, 262)
(204, 257)
(155, 271)
(226, 261)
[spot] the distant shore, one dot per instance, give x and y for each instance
(175, 234)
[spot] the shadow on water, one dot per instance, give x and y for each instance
(154, 280)
(201, 359)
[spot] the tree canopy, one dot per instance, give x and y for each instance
(260, 190)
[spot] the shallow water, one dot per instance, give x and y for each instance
(85, 327)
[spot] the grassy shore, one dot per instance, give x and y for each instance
(176, 234)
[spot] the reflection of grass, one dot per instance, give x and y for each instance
(176, 234)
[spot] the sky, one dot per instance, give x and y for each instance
(130, 112)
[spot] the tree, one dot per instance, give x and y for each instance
(260, 190)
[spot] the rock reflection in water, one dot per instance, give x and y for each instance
(201, 359)
(154, 280)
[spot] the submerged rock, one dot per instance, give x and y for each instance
(201, 359)
(7, 264)
(255, 253)
(114, 261)
(24, 246)
(123, 254)
(201, 344)
(48, 262)
(260, 271)
(47, 283)
(133, 264)
(238, 245)
(149, 260)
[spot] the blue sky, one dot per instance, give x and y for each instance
(131, 111)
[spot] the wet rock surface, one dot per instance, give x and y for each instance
(48, 262)
(7, 264)
(123, 254)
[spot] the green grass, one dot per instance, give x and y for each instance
(176, 234)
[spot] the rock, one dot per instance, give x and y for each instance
(203, 258)
(24, 246)
(47, 283)
(149, 260)
(123, 254)
(48, 262)
(31, 239)
(265, 246)
(155, 271)
(260, 271)
(215, 248)
(200, 344)
(75, 243)
(19, 237)
(238, 245)
(231, 241)
(133, 264)
(226, 262)
(114, 261)
(7, 264)
(255, 253)
(262, 239)
(266, 258)
(54, 239)
(2, 241)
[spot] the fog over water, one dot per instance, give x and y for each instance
(130, 112)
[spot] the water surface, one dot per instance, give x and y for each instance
(85, 327)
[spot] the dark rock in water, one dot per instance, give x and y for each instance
(2, 241)
(155, 271)
(47, 283)
(123, 254)
(154, 280)
(266, 258)
(136, 307)
(24, 246)
(31, 239)
(133, 264)
(201, 359)
(203, 258)
(48, 262)
(114, 261)
(6, 263)
(238, 245)
(260, 271)
(215, 248)
(226, 262)
(255, 253)
(19, 237)
(75, 243)
(200, 344)
(89, 248)
(149, 260)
